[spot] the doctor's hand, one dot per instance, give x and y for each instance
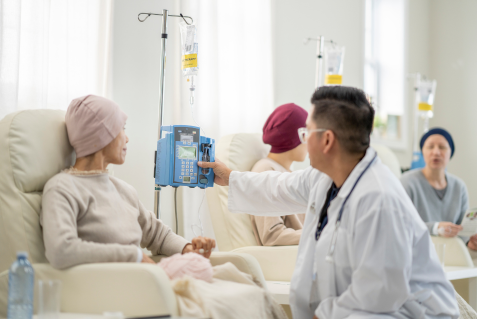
(222, 172)
(448, 229)
(472, 244)
(200, 245)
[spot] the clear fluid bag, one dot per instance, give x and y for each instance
(334, 57)
(189, 48)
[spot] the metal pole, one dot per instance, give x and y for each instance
(320, 47)
(157, 191)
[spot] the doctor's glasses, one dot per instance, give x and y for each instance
(304, 133)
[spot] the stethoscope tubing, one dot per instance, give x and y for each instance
(329, 256)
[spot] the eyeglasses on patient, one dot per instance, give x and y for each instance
(304, 133)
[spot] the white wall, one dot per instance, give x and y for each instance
(453, 63)
(294, 63)
(417, 61)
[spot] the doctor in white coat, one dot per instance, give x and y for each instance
(364, 251)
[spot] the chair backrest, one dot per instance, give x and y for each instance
(388, 158)
(455, 253)
(34, 147)
(239, 152)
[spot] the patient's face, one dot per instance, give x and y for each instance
(115, 152)
(436, 152)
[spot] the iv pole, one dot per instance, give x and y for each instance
(165, 15)
(320, 48)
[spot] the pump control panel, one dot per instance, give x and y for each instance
(178, 152)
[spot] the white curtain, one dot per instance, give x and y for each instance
(235, 82)
(52, 51)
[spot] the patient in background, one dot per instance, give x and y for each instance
(439, 197)
(90, 217)
(281, 132)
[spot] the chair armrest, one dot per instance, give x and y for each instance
(244, 262)
(134, 289)
(456, 252)
(277, 262)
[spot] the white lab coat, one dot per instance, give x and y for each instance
(385, 265)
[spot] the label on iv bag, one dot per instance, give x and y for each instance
(333, 79)
(424, 107)
(189, 61)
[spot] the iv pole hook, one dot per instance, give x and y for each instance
(159, 14)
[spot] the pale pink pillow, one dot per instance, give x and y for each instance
(192, 264)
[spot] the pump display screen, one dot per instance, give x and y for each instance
(187, 152)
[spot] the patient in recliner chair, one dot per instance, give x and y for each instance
(89, 216)
(281, 132)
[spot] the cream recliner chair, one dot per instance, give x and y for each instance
(33, 147)
(233, 232)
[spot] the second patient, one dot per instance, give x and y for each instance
(280, 131)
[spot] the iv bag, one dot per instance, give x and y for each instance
(189, 48)
(426, 90)
(334, 56)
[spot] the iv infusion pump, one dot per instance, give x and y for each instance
(178, 152)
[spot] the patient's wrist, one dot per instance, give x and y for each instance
(187, 249)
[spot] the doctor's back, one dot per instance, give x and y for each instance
(384, 263)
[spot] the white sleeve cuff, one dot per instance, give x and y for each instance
(435, 229)
(139, 255)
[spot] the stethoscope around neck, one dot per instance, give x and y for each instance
(329, 257)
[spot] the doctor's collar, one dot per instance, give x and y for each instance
(356, 172)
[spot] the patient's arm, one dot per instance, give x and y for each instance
(63, 246)
(273, 232)
(158, 237)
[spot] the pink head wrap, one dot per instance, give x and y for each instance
(191, 264)
(281, 128)
(92, 123)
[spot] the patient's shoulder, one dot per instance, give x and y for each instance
(126, 190)
(267, 164)
(412, 177)
(61, 180)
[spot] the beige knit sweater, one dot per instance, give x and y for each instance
(98, 218)
(276, 230)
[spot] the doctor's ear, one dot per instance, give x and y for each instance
(329, 140)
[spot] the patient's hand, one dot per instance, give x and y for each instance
(448, 229)
(222, 172)
(147, 260)
(200, 245)
(472, 244)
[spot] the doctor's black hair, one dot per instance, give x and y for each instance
(347, 112)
